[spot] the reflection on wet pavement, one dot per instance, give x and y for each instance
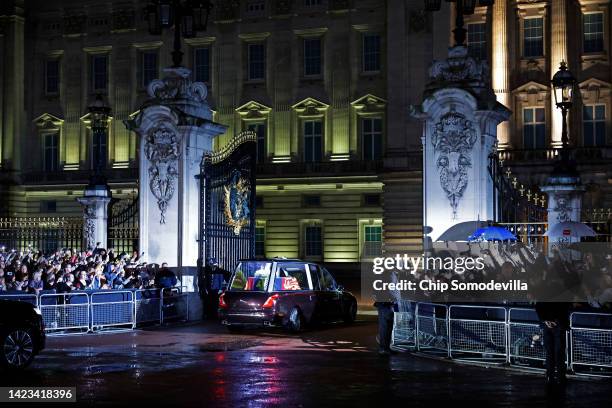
(204, 366)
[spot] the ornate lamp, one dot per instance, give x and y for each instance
(100, 113)
(186, 16)
(563, 83)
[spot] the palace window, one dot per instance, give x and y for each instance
(52, 76)
(372, 240)
(533, 37)
(312, 56)
(201, 64)
(256, 61)
(477, 40)
(149, 67)
(371, 136)
(260, 130)
(313, 140)
(593, 32)
(99, 72)
(371, 53)
(260, 241)
(534, 128)
(51, 151)
(99, 149)
(313, 242)
(594, 125)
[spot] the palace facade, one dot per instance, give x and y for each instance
(326, 85)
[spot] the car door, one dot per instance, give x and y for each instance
(329, 288)
(318, 299)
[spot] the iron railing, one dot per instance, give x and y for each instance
(46, 234)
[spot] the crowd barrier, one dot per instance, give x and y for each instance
(93, 311)
(494, 334)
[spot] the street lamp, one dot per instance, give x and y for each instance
(563, 83)
(186, 16)
(462, 8)
(99, 113)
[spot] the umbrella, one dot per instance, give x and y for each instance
(570, 229)
(460, 232)
(492, 234)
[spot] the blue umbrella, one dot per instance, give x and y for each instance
(492, 234)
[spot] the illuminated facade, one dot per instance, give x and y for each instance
(326, 85)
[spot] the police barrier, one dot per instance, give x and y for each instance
(33, 299)
(147, 306)
(65, 312)
(591, 343)
(525, 338)
(112, 309)
(477, 332)
(499, 334)
(174, 305)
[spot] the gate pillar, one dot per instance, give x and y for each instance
(95, 215)
(460, 115)
(175, 128)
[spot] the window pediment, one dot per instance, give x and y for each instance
(369, 104)
(46, 121)
(310, 107)
(253, 110)
(593, 89)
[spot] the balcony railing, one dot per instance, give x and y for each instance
(578, 153)
(77, 176)
(358, 167)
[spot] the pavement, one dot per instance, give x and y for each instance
(202, 365)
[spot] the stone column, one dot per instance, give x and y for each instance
(95, 215)
(564, 193)
(461, 116)
(558, 53)
(175, 129)
(500, 63)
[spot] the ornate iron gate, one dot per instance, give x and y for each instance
(123, 231)
(227, 203)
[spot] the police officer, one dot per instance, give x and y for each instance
(386, 302)
(554, 318)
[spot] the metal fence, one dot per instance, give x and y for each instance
(43, 233)
(94, 311)
(501, 335)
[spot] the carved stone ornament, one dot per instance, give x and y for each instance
(89, 226)
(453, 140)
(178, 85)
(459, 67)
(163, 151)
(563, 208)
(236, 202)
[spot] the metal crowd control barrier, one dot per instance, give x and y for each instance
(147, 306)
(174, 305)
(65, 312)
(432, 327)
(404, 325)
(112, 309)
(525, 339)
(477, 332)
(591, 343)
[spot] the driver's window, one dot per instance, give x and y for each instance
(327, 281)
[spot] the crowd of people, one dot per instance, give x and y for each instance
(67, 270)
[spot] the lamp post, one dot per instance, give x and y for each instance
(100, 113)
(563, 83)
(187, 17)
(462, 8)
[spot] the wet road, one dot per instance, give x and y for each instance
(202, 365)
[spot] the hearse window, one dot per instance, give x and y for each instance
(314, 276)
(291, 277)
(327, 281)
(251, 275)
